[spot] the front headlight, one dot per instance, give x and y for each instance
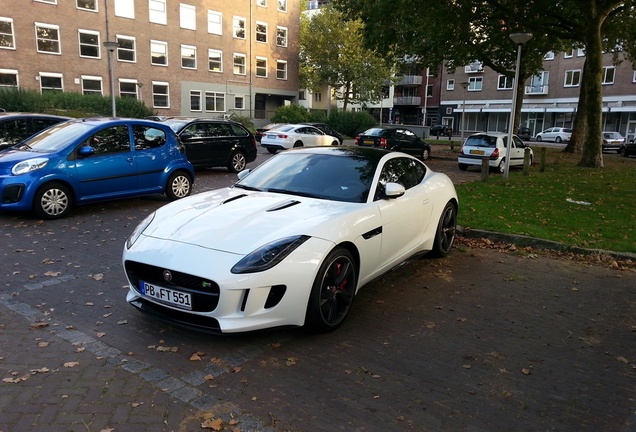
(140, 228)
(29, 165)
(269, 255)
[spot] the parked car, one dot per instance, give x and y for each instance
(215, 142)
(441, 129)
(395, 139)
(523, 134)
(492, 145)
(261, 131)
(88, 160)
(296, 135)
(612, 141)
(556, 134)
(628, 149)
(292, 241)
(15, 127)
(328, 130)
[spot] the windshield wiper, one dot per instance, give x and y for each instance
(250, 188)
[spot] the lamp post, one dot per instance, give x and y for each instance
(464, 85)
(111, 46)
(519, 39)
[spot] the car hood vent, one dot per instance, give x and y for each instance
(234, 198)
(284, 205)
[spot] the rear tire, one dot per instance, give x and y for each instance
(462, 167)
(538, 138)
(333, 291)
(52, 201)
(298, 144)
(558, 140)
(446, 229)
(335, 143)
(272, 150)
(238, 162)
(179, 186)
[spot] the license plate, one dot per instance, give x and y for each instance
(369, 142)
(478, 152)
(166, 295)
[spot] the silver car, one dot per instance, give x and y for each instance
(613, 141)
(556, 134)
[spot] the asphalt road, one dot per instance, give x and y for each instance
(491, 338)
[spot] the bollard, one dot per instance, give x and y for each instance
(485, 169)
(542, 162)
(526, 161)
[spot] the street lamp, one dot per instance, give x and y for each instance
(464, 85)
(111, 46)
(519, 39)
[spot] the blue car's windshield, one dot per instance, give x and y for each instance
(55, 138)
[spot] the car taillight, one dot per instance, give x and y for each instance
(355, 141)
(281, 136)
(604, 141)
(383, 142)
(495, 154)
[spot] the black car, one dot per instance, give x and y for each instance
(261, 131)
(214, 142)
(441, 129)
(395, 139)
(628, 149)
(16, 127)
(328, 130)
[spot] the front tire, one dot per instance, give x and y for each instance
(333, 291)
(501, 168)
(558, 140)
(52, 201)
(179, 186)
(446, 230)
(298, 144)
(426, 154)
(238, 162)
(538, 138)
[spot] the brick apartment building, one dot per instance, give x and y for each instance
(205, 58)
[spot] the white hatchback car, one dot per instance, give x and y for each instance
(556, 134)
(492, 145)
(295, 135)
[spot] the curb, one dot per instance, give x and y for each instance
(522, 240)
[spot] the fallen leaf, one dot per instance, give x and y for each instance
(467, 366)
(41, 370)
(101, 334)
(97, 276)
(70, 364)
(208, 377)
(52, 273)
(291, 361)
(622, 359)
(525, 371)
(39, 325)
(216, 425)
(136, 404)
(43, 344)
(195, 357)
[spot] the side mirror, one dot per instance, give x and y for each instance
(185, 136)
(243, 174)
(86, 151)
(393, 190)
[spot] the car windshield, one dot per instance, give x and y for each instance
(612, 135)
(342, 176)
(56, 137)
(481, 141)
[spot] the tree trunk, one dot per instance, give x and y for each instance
(579, 128)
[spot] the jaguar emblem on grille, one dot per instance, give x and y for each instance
(167, 276)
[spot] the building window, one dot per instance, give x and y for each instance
(8, 78)
(261, 32)
(504, 82)
(301, 95)
(214, 102)
(7, 39)
(188, 57)
(158, 53)
(282, 5)
(634, 77)
(608, 74)
(128, 88)
(89, 5)
(239, 102)
(89, 44)
(475, 83)
(195, 100)
(91, 85)
(572, 78)
(261, 67)
(429, 91)
(157, 12)
(187, 17)
(160, 95)
(568, 54)
(215, 22)
(239, 64)
(549, 55)
(126, 49)
(48, 38)
(125, 9)
(450, 84)
(47, 1)
(238, 27)
(580, 52)
(50, 82)
(215, 60)
(281, 36)
(262, 3)
(281, 70)
(318, 97)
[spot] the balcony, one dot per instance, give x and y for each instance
(410, 80)
(407, 100)
(537, 90)
(474, 67)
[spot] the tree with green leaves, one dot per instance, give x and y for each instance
(452, 33)
(332, 52)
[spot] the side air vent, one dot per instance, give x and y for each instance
(284, 205)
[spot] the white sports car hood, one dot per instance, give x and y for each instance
(239, 221)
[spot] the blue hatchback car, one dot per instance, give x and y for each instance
(88, 160)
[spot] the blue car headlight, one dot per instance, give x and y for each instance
(29, 165)
(269, 255)
(140, 228)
